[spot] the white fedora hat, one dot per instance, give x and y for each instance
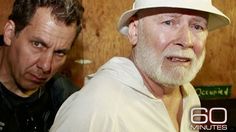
(216, 17)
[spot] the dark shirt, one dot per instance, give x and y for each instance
(37, 112)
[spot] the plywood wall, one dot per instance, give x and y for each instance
(220, 63)
(5, 9)
(99, 41)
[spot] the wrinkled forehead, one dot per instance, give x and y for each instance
(155, 11)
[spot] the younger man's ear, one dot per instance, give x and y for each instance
(133, 31)
(9, 32)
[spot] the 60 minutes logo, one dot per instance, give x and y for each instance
(202, 118)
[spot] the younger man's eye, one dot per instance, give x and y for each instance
(37, 44)
(60, 54)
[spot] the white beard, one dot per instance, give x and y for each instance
(152, 65)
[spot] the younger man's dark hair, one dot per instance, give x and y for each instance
(66, 11)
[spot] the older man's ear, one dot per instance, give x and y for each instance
(133, 31)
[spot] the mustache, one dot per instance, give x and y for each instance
(180, 54)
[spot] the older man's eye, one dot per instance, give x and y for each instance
(199, 27)
(167, 22)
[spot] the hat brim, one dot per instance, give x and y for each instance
(216, 18)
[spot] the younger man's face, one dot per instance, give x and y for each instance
(39, 50)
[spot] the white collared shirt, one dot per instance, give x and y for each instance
(116, 100)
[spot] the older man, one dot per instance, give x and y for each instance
(150, 91)
(34, 46)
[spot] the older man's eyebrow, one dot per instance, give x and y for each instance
(200, 20)
(170, 15)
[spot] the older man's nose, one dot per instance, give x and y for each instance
(185, 37)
